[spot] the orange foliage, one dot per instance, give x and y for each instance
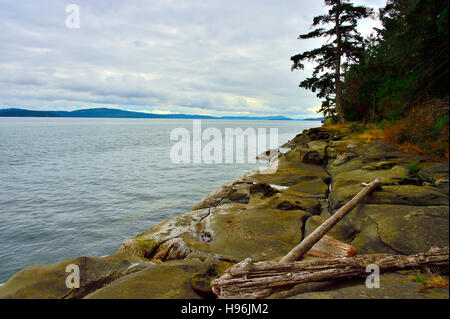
(420, 133)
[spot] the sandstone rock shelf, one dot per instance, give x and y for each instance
(263, 216)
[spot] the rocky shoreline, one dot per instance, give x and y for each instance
(263, 216)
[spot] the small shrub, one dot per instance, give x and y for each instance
(419, 278)
(414, 168)
(434, 282)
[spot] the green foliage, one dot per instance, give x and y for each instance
(405, 62)
(414, 168)
(419, 278)
(441, 122)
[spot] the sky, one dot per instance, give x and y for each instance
(209, 57)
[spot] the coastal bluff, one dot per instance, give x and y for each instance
(263, 216)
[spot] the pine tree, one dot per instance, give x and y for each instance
(347, 44)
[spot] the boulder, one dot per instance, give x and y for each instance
(344, 158)
(268, 155)
(315, 187)
(436, 174)
(234, 192)
(290, 173)
(397, 175)
(317, 133)
(311, 156)
(391, 194)
(228, 232)
(400, 228)
(319, 146)
(376, 151)
(336, 148)
(49, 281)
(340, 231)
(383, 165)
(177, 279)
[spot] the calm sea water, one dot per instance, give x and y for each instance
(80, 187)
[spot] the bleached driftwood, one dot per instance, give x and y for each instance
(257, 280)
(307, 243)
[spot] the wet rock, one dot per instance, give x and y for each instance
(49, 281)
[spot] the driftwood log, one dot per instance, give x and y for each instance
(328, 247)
(249, 279)
(307, 243)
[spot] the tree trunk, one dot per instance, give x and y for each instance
(257, 280)
(297, 252)
(337, 78)
(374, 107)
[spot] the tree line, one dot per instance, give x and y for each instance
(381, 77)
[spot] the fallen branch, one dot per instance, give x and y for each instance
(306, 244)
(257, 280)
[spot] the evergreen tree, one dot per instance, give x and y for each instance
(405, 63)
(347, 44)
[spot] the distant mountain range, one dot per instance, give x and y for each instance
(115, 113)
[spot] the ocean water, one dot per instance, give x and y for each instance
(79, 187)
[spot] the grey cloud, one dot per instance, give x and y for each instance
(192, 56)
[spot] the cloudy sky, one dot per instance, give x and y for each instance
(215, 57)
